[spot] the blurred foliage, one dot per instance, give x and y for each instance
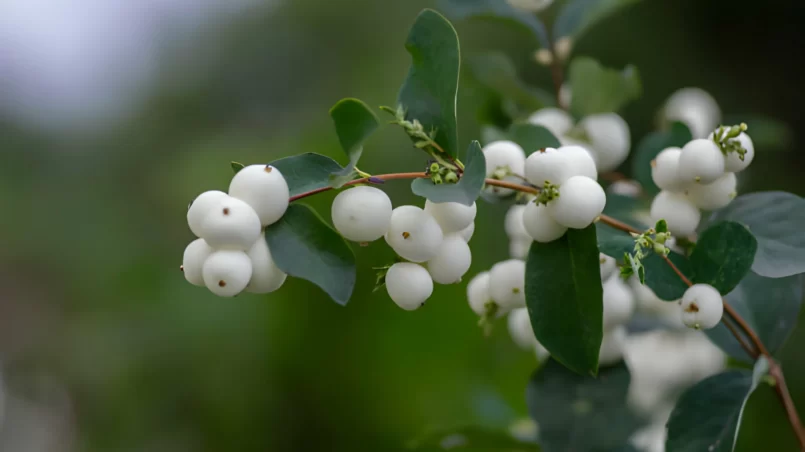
(93, 230)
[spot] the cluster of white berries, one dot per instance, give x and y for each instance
(605, 136)
(231, 255)
(700, 175)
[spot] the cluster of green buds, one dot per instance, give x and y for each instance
(654, 239)
(441, 174)
(548, 193)
(727, 139)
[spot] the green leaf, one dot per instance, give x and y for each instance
(495, 71)
(499, 10)
(237, 166)
(581, 413)
(723, 256)
(662, 279)
(466, 190)
(775, 219)
(565, 298)
(770, 306)
(579, 15)
(768, 134)
(532, 137)
(597, 89)
(612, 242)
(304, 246)
(652, 144)
(471, 438)
(429, 91)
(354, 122)
(706, 416)
(306, 172)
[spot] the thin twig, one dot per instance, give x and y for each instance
(788, 403)
(741, 340)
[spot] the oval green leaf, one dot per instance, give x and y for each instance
(305, 172)
(354, 123)
(466, 190)
(597, 89)
(662, 279)
(581, 413)
(651, 145)
(723, 256)
(304, 246)
(705, 417)
(499, 10)
(564, 297)
(775, 219)
(770, 306)
(579, 15)
(429, 91)
(532, 137)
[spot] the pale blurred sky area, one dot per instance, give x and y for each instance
(83, 63)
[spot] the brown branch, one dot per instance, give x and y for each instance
(741, 340)
(781, 389)
(363, 180)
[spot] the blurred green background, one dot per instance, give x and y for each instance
(105, 347)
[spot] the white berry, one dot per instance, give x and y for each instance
(467, 232)
(734, 164)
(608, 266)
(695, 108)
(581, 200)
(701, 161)
(609, 137)
(263, 188)
(451, 216)
(227, 272)
(680, 214)
(504, 154)
(665, 170)
(519, 248)
(452, 260)
(231, 224)
(612, 346)
(582, 160)
(540, 225)
(193, 261)
(200, 207)
(408, 285)
(548, 165)
(618, 303)
(513, 223)
(702, 307)
(520, 329)
(507, 284)
(716, 195)
(266, 276)
(556, 120)
(414, 234)
(478, 293)
(362, 214)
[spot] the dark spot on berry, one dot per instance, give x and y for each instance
(268, 168)
(516, 290)
(226, 210)
(693, 307)
(405, 235)
(222, 283)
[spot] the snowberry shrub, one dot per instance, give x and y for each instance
(604, 274)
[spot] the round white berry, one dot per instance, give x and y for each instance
(695, 108)
(582, 161)
(263, 188)
(504, 154)
(451, 216)
(478, 293)
(702, 307)
(227, 272)
(231, 224)
(716, 195)
(540, 225)
(618, 303)
(556, 120)
(581, 200)
(507, 284)
(467, 232)
(520, 329)
(414, 234)
(408, 285)
(608, 266)
(665, 170)
(734, 164)
(193, 261)
(266, 276)
(701, 161)
(680, 214)
(612, 346)
(548, 165)
(362, 214)
(518, 248)
(513, 223)
(200, 207)
(609, 137)
(452, 260)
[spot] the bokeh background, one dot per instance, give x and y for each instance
(114, 114)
